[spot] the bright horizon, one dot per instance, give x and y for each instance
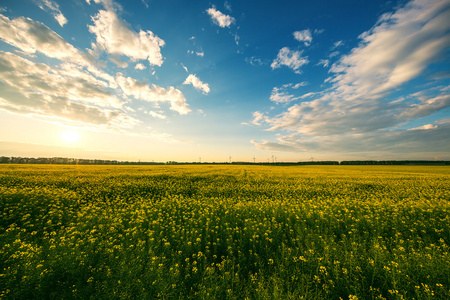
(179, 81)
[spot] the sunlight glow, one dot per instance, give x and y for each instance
(70, 136)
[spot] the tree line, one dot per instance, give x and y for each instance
(78, 161)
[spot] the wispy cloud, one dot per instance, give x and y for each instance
(143, 91)
(118, 62)
(337, 44)
(197, 83)
(53, 7)
(31, 88)
(388, 144)
(304, 36)
(115, 36)
(280, 96)
(323, 62)
(255, 61)
(227, 6)
(425, 127)
(356, 107)
(108, 4)
(31, 37)
(396, 50)
(157, 115)
(284, 94)
(258, 117)
(292, 59)
(219, 18)
(75, 89)
(140, 66)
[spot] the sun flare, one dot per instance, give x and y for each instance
(70, 136)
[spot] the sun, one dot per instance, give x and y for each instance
(70, 136)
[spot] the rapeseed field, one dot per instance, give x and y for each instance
(224, 232)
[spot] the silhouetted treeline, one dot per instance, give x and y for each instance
(76, 161)
(69, 161)
(395, 162)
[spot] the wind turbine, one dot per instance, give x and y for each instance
(254, 159)
(230, 159)
(312, 158)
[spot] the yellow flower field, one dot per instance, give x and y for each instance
(224, 232)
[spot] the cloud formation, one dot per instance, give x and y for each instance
(31, 37)
(139, 66)
(142, 91)
(197, 83)
(290, 58)
(283, 95)
(358, 106)
(32, 88)
(388, 144)
(115, 36)
(54, 9)
(304, 36)
(219, 18)
(396, 50)
(75, 89)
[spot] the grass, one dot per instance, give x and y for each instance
(224, 232)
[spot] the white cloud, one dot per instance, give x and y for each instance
(140, 66)
(396, 50)
(304, 36)
(157, 115)
(197, 83)
(425, 108)
(227, 6)
(291, 58)
(119, 63)
(357, 106)
(145, 2)
(385, 144)
(297, 85)
(333, 54)
(337, 44)
(200, 54)
(280, 96)
(31, 37)
(254, 61)
(54, 9)
(142, 91)
(184, 67)
(74, 89)
(425, 127)
(236, 38)
(202, 112)
(219, 18)
(69, 93)
(108, 4)
(323, 62)
(258, 117)
(115, 36)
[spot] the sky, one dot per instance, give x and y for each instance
(216, 81)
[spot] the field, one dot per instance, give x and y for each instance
(224, 232)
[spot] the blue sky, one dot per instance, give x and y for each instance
(179, 80)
